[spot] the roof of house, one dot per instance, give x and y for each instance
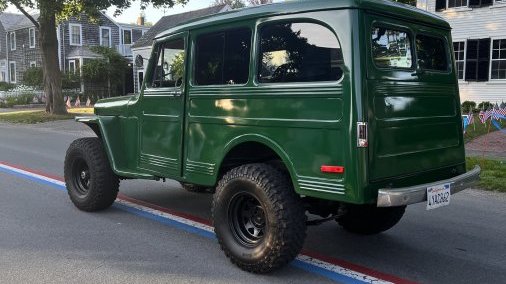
(12, 21)
(170, 21)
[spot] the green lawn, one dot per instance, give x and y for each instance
(493, 173)
(32, 117)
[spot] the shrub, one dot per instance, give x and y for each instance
(485, 105)
(33, 77)
(4, 86)
(468, 106)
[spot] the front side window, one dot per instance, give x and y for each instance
(431, 53)
(75, 34)
(459, 49)
(223, 58)
(298, 52)
(391, 48)
(169, 69)
(498, 69)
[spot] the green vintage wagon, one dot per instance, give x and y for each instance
(348, 110)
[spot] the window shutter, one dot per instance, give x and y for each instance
(474, 3)
(486, 3)
(471, 60)
(441, 5)
(483, 59)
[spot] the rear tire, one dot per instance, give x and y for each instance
(91, 183)
(369, 219)
(258, 218)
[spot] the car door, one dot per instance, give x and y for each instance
(161, 129)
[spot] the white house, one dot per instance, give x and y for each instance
(479, 41)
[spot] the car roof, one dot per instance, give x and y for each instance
(386, 7)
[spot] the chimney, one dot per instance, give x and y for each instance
(141, 18)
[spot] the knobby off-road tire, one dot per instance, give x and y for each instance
(258, 218)
(369, 219)
(91, 183)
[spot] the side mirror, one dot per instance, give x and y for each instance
(139, 60)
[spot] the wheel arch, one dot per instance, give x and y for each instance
(246, 145)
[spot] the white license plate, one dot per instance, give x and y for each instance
(438, 195)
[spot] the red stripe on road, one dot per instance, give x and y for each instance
(315, 255)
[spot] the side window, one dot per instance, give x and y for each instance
(169, 69)
(431, 53)
(223, 58)
(298, 52)
(391, 48)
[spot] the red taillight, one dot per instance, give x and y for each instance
(332, 169)
(362, 140)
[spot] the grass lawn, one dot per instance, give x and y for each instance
(493, 173)
(39, 116)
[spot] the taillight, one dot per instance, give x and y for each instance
(362, 140)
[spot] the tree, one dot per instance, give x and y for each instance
(53, 11)
(234, 4)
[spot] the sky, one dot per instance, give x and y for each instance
(152, 15)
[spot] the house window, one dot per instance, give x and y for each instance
(12, 71)
(442, 5)
(76, 35)
(105, 36)
(72, 66)
(33, 64)
(127, 36)
(31, 37)
(477, 59)
(459, 49)
(498, 69)
(12, 40)
(457, 3)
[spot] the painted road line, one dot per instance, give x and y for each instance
(331, 268)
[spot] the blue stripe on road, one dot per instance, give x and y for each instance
(188, 228)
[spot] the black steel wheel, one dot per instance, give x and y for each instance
(258, 218)
(91, 183)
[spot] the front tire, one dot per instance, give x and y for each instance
(369, 219)
(258, 218)
(91, 183)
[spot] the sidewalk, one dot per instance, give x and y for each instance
(491, 146)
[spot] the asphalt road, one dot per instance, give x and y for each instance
(43, 238)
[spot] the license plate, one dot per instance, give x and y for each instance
(438, 195)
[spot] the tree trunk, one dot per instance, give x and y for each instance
(49, 44)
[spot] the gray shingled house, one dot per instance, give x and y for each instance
(144, 44)
(19, 44)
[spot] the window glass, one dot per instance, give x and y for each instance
(457, 3)
(498, 70)
(105, 39)
(431, 53)
(458, 48)
(169, 69)
(127, 37)
(223, 58)
(31, 33)
(299, 52)
(75, 34)
(391, 48)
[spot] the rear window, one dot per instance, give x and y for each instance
(431, 53)
(391, 48)
(298, 52)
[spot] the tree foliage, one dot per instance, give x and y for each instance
(234, 4)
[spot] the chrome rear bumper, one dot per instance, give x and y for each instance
(388, 197)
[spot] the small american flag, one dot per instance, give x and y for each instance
(78, 102)
(68, 104)
(470, 118)
(88, 102)
(481, 115)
